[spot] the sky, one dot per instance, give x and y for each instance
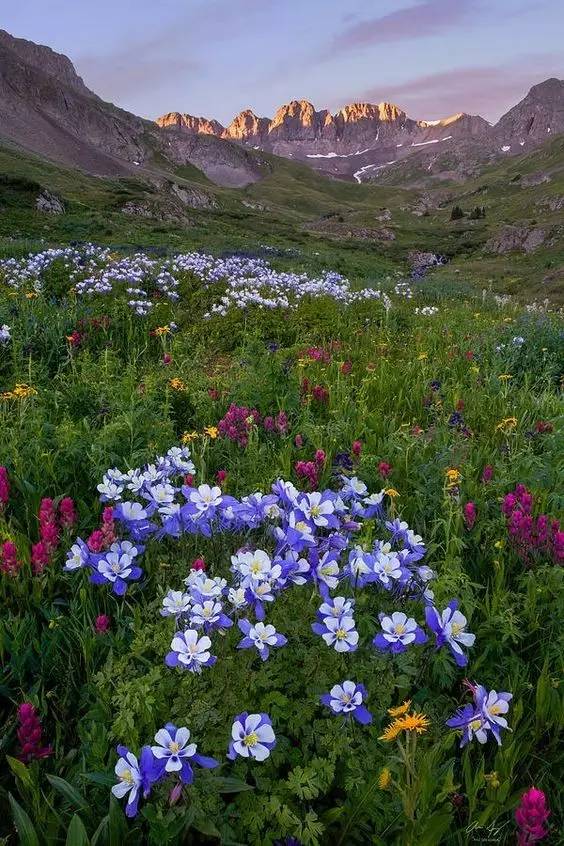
(216, 57)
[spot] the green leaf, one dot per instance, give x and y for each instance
(117, 827)
(20, 771)
(70, 793)
(105, 779)
(206, 827)
(101, 831)
(230, 785)
(76, 834)
(24, 826)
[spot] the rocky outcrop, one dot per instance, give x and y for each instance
(551, 203)
(193, 198)
(532, 179)
(535, 119)
(197, 125)
(516, 239)
(419, 260)
(49, 204)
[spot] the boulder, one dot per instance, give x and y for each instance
(516, 238)
(49, 204)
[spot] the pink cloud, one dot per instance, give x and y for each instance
(488, 91)
(426, 18)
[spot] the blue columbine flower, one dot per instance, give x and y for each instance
(252, 736)
(134, 777)
(338, 632)
(78, 556)
(347, 699)
(487, 714)
(360, 567)
(398, 632)
(337, 606)
(449, 627)
(174, 753)
(209, 615)
(260, 636)
(190, 652)
(176, 603)
(115, 567)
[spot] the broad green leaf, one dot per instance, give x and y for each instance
(230, 785)
(20, 771)
(76, 834)
(71, 794)
(24, 826)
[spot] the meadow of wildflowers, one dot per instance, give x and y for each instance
(280, 556)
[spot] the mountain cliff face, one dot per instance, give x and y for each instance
(46, 108)
(532, 121)
(358, 135)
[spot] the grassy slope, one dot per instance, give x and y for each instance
(293, 195)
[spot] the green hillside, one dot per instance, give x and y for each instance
(358, 229)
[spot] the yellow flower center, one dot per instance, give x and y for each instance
(127, 776)
(250, 739)
(399, 629)
(456, 629)
(315, 510)
(340, 634)
(475, 725)
(174, 747)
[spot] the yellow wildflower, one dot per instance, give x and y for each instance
(31, 295)
(408, 722)
(492, 779)
(390, 732)
(162, 330)
(499, 544)
(422, 356)
(452, 477)
(391, 492)
(506, 425)
(188, 437)
(211, 431)
(505, 377)
(21, 391)
(414, 722)
(384, 779)
(399, 710)
(177, 384)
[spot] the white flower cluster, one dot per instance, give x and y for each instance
(428, 311)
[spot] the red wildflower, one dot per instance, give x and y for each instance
(29, 734)
(102, 623)
(384, 469)
(531, 816)
(9, 563)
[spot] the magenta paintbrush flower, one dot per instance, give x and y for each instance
(531, 816)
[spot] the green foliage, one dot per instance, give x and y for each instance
(111, 402)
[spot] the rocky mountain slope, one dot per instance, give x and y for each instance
(339, 144)
(46, 108)
(364, 138)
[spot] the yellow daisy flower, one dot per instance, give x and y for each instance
(400, 709)
(384, 779)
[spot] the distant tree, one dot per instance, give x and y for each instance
(477, 213)
(456, 213)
